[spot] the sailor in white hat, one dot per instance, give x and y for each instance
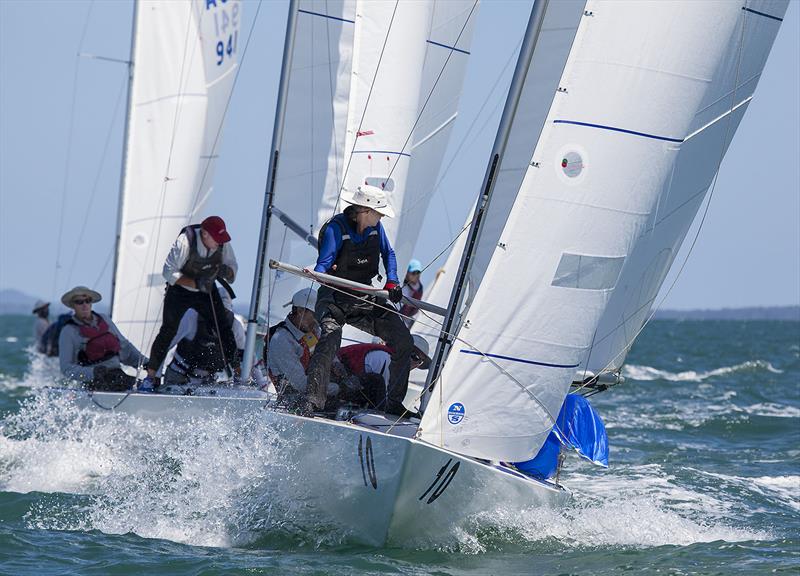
(288, 348)
(351, 246)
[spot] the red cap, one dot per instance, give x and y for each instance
(215, 226)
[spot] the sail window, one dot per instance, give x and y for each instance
(588, 272)
(386, 184)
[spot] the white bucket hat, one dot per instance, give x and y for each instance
(305, 298)
(372, 197)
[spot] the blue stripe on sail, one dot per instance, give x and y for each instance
(326, 16)
(380, 152)
(547, 364)
(764, 14)
(623, 130)
(448, 47)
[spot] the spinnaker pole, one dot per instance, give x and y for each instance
(269, 192)
(509, 111)
(124, 168)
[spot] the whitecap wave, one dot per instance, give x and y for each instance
(636, 372)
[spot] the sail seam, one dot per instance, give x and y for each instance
(623, 130)
(522, 360)
(764, 14)
(326, 16)
(381, 152)
(448, 47)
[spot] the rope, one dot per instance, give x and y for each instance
(96, 180)
(68, 162)
(455, 337)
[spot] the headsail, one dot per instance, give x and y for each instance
(692, 175)
(185, 59)
(630, 99)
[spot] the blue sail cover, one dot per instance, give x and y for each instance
(579, 427)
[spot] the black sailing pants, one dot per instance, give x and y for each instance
(176, 302)
(333, 311)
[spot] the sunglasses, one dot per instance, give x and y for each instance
(415, 357)
(81, 301)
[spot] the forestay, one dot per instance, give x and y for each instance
(371, 98)
(641, 79)
(185, 58)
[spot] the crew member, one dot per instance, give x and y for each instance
(42, 311)
(288, 350)
(198, 356)
(351, 245)
(412, 288)
(201, 255)
(91, 348)
(370, 363)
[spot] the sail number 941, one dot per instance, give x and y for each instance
(226, 26)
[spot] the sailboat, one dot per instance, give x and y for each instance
(611, 136)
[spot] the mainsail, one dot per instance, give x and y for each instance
(371, 96)
(185, 56)
(645, 107)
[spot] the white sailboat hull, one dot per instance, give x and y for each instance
(378, 488)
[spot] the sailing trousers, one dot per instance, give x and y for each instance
(176, 302)
(333, 311)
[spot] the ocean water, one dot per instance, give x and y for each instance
(704, 478)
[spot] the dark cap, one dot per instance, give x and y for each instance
(215, 226)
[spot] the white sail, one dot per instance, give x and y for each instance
(184, 64)
(372, 95)
(639, 83)
(700, 154)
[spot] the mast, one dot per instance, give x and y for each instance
(498, 149)
(269, 193)
(123, 168)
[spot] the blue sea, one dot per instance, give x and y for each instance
(704, 478)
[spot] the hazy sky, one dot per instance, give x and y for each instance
(748, 252)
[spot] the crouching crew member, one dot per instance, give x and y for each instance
(371, 363)
(91, 348)
(351, 245)
(288, 352)
(201, 254)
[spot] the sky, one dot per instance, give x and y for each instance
(61, 131)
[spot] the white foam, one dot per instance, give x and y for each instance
(635, 372)
(773, 410)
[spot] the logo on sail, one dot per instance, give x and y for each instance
(455, 413)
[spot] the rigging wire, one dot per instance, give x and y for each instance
(90, 203)
(702, 219)
(70, 134)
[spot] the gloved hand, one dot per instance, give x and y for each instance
(395, 291)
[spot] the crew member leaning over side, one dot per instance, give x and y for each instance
(200, 255)
(351, 245)
(90, 347)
